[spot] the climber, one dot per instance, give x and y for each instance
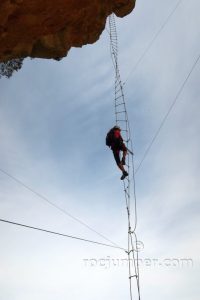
(114, 140)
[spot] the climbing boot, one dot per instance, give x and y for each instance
(125, 174)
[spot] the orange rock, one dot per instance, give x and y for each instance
(49, 28)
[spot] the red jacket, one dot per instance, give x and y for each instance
(117, 143)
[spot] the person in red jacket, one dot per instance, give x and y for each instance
(115, 141)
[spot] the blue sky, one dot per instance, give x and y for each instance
(53, 121)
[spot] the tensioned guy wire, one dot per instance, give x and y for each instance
(167, 114)
(55, 205)
(60, 234)
(153, 40)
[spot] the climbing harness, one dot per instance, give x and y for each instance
(121, 119)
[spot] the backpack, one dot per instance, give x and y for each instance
(109, 137)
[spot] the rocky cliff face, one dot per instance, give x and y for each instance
(49, 28)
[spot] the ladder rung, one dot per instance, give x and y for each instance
(117, 91)
(120, 112)
(118, 83)
(118, 97)
(119, 104)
